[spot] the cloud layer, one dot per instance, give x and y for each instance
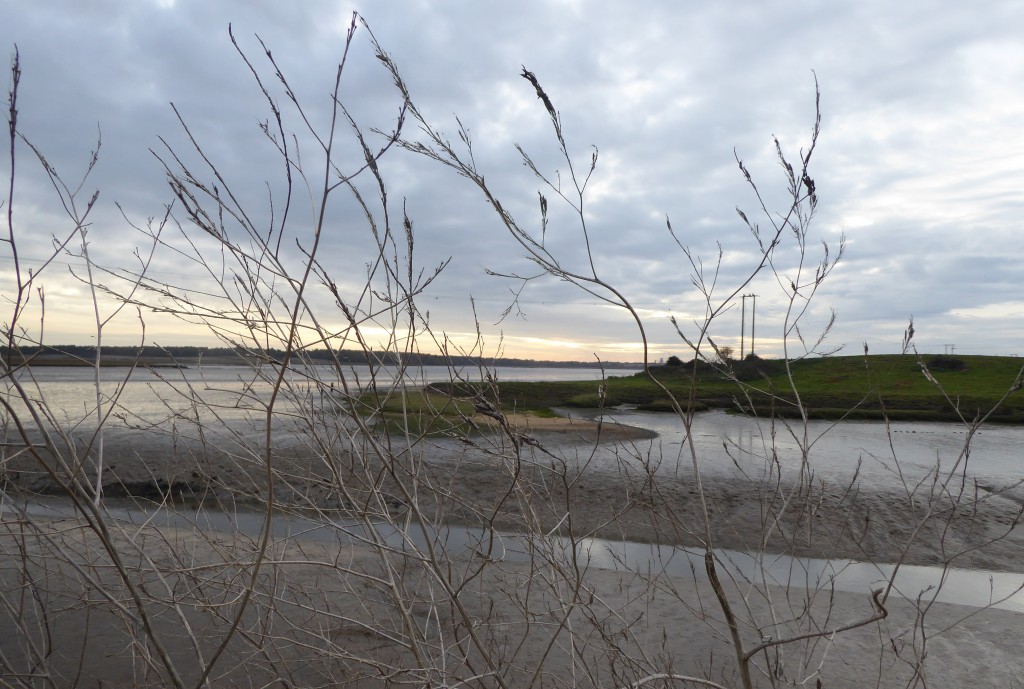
(920, 163)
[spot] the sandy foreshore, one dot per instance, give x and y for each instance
(327, 616)
(346, 614)
(574, 476)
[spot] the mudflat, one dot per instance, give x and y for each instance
(366, 614)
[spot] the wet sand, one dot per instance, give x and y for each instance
(573, 476)
(323, 615)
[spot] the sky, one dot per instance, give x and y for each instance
(918, 169)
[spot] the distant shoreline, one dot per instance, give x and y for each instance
(188, 356)
(105, 362)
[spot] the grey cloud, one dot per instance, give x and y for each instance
(913, 162)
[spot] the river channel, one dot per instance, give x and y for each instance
(975, 588)
(726, 444)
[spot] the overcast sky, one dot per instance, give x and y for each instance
(920, 161)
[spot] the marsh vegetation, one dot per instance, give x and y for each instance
(872, 386)
(91, 598)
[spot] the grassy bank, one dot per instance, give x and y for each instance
(853, 386)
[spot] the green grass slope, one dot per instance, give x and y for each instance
(865, 387)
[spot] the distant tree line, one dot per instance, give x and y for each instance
(86, 354)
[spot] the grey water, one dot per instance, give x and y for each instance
(726, 444)
(877, 454)
(237, 392)
(974, 588)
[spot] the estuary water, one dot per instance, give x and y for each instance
(726, 443)
(877, 454)
(975, 588)
(152, 392)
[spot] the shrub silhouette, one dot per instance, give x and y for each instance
(943, 362)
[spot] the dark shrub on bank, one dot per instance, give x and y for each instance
(942, 362)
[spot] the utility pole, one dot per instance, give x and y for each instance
(753, 319)
(743, 324)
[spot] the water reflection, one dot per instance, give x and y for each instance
(945, 585)
(730, 443)
(236, 392)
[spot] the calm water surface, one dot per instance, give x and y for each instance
(155, 394)
(974, 588)
(726, 443)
